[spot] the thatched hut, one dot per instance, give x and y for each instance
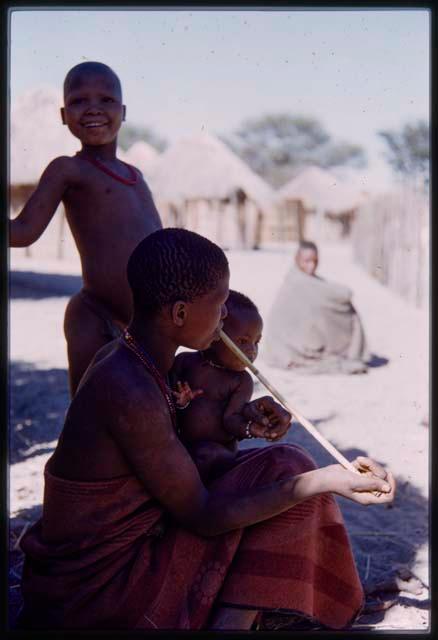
(200, 184)
(37, 137)
(141, 155)
(317, 204)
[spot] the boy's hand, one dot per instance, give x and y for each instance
(184, 395)
(269, 419)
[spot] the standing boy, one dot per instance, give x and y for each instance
(108, 206)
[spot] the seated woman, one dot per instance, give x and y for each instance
(313, 325)
(130, 537)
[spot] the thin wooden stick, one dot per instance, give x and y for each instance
(305, 423)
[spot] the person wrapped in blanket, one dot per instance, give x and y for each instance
(130, 536)
(313, 326)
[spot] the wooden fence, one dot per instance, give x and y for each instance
(390, 239)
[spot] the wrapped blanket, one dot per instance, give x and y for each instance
(314, 326)
(105, 556)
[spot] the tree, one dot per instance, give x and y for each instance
(130, 133)
(408, 150)
(277, 145)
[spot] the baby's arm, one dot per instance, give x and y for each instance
(30, 223)
(181, 389)
(233, 420)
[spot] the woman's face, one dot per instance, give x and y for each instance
(307, 261)
(205, 317)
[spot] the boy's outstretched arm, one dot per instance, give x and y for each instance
(36, 214)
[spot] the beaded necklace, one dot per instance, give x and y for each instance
(97, 163)
(210, 362)
(132, 344)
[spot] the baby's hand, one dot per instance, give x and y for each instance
(184, 395)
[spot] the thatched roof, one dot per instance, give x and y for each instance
(37, 134)
(143, 156)
(319, 189)
(201, 166)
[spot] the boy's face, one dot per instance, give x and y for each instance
(204, 317)
(244, 327)
(307, 261)
(93, 109)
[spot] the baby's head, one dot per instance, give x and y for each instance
(306, 257)
(244, 325)
(93, 109)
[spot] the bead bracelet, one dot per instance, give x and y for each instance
(248, 433)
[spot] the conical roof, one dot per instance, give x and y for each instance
(319, 189)
(201, 166)
(37, 134)
(142, 155)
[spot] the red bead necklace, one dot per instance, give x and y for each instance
(132, 344)
(97, 163)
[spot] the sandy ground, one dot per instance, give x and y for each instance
(383, 414)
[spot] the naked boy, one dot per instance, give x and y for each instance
(108, 206)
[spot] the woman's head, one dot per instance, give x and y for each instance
(183, 276)
(306, 257)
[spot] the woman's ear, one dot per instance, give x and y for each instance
(179, 313)
(62, 115)
(124, 112)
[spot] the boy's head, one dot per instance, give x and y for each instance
(93, 109)
(180, 278)
(306, 257)
(244, 325)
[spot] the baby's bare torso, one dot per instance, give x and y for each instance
(203, 418)
(108, 219)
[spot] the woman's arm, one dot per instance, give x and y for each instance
(143, 431)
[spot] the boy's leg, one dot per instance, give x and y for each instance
(86, 331)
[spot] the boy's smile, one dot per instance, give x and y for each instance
(93, 109)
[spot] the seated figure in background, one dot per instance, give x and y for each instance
(313, 324)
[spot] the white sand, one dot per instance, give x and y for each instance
(379, 413)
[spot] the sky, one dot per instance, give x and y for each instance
(185, 70)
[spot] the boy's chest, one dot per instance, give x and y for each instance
(97, 190)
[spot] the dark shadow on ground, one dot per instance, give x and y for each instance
(38, 401)
(377, 361)
(383, 537)
(36, 286)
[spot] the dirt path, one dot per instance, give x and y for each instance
(381, 414)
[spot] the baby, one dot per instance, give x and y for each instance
(212, 425)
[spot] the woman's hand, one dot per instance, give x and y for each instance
(359, 487)
(268, 418)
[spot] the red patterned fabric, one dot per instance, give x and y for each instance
(104, 556)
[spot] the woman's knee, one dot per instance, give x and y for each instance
(290, 458)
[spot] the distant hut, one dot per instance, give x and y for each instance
(37, 136)
(317, 204)
(142, 155)
(200, 184)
